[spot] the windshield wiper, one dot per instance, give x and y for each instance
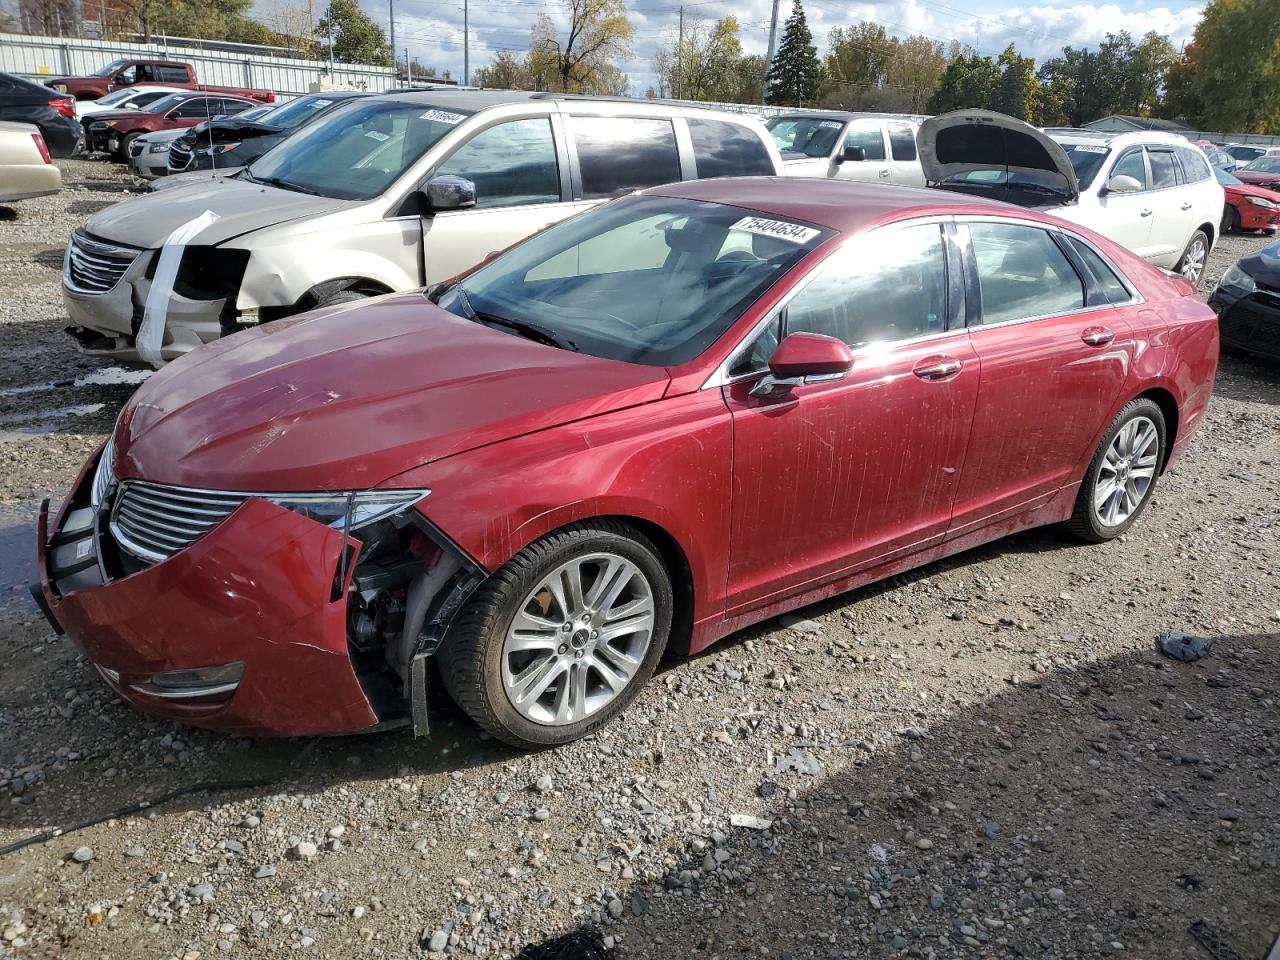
(287, 185)
(524, 328)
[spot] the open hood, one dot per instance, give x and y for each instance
(991, 155)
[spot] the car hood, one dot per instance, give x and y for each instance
(122, 114)
(1033, 170)
(1264, 265)
(1252, 190)
(241, 206)
(347, 398)
(1254, 176)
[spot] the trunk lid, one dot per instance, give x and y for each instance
(988, 154)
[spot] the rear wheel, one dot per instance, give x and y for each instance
(562, 637)
(1193, 258)
(1230, 219)
(1122, 475)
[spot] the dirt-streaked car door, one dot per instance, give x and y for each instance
(842, 474)
(521, 186)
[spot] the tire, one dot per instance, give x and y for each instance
(1191, 263)
(122, 152)
(485, 677)
(1096, 522)
(340, 296)
(1230, 219)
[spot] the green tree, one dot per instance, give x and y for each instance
(795, 76)
(1181, 99)
(506, 72)
(703, 64)
(1236, 70)
(582, 60)
(912, 74)
(968, 81)
(356, 38)
(856, 61)
(1017, 93)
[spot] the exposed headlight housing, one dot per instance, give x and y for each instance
(1261, 202)
(104, 477)
(216, 149)
(332, 509)
(1237, 279)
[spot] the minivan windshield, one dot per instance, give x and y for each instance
(357, 151)
(651, 280)
(808, 136)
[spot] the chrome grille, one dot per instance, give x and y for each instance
(95, 267)
(154, 522)
(179, 156)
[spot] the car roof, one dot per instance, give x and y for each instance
(1124, 139)
(843, 115)
(474, 101)
(847, 206)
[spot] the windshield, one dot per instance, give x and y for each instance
(115, 96)
(810, 136)
(109, 69)
(652, 280)
(297, 112)
(1245, 153)
(1086, 160)
(356, 152)
(1264, 165)
(1225, 178)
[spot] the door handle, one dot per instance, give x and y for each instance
(937, 368)
(1097, 336)
(1144, 213)
(884, 174)
(1186, 206)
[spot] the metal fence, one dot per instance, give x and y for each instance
(37, 58)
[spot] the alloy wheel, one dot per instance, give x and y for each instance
(577, 639)
(1126, 472)
(1193, 261)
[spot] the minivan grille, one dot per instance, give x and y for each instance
(153, 521)
(94, 266)
(179, 156)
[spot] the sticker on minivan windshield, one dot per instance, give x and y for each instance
(781, 229)
(442, 116)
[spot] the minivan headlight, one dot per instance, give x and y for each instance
(1237, 279)
(331, 509)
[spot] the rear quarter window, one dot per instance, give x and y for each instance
(1113, 290)
(723, 149)
(1194, 165)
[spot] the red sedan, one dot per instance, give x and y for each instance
(111, 131)
(1246, 206)
(683, 412)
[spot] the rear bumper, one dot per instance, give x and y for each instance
(257, 590)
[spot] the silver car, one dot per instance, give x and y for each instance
(387, 193)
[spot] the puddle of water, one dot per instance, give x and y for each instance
(44, 421)
(17, 555)
(106, 377)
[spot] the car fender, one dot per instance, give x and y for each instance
(667, 464)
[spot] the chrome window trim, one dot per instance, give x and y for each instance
(720, 376)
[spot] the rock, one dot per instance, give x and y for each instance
(135, 852)
(542, 813)
(615, 908)
(544, 783)
(264, 871)
(639, 905)
(801, 625)
(924, 843)
(336, 832)
(1057, 894)
(200, 891)
(305, 850)
(250, 821)
(82, 854)
(749, 822)
(437, 941)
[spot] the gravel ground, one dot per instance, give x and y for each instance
(984, 758)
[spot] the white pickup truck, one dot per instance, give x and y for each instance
(849, 146)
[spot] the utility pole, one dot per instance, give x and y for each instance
(330, 19)
(466, 44)
(679, 56)
(408, 67)
(768, 60)
(391, 22)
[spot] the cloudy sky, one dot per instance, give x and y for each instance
(433, 30)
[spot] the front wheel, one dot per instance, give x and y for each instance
(1193, 258)
(1122, 475)
(562, 637)
(1230, 219)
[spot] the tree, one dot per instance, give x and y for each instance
(703, 64)
(1235, 74)
(506, 72)
(856, 63)
(968, 81)
(1181, 99)
(356, 38)
(912, 74)
(1017, 93)
(795, 76)
(598, 36)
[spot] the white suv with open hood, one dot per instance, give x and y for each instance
(1151, 192)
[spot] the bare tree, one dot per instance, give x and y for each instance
(582, 61)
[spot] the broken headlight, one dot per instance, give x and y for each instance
(104, 477)
(215, 149)
(363, 507)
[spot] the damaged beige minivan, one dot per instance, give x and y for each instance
(388, 193)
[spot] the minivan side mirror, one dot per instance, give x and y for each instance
(1122, 183)
(852, 154)
(804, 358)
(448, 192)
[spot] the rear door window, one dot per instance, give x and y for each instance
(621, 154)
(727, 150)
(1022, 274)
(512, 164)
(869, 138)
(1164, 169)
(902, 140)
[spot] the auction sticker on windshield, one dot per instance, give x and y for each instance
(443, 116)
(776, 228)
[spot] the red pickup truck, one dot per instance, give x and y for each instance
(164, 73)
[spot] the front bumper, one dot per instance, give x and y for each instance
(256, 590)
(1254, 217)
(1250, 323)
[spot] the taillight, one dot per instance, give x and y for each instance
(65, 106)
(271, 97)
(40, 145)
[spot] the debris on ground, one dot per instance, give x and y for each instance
(1186, 647)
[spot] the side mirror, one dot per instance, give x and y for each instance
(852, 155)
(448, 192)
(1122, 183)
(804, 358)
